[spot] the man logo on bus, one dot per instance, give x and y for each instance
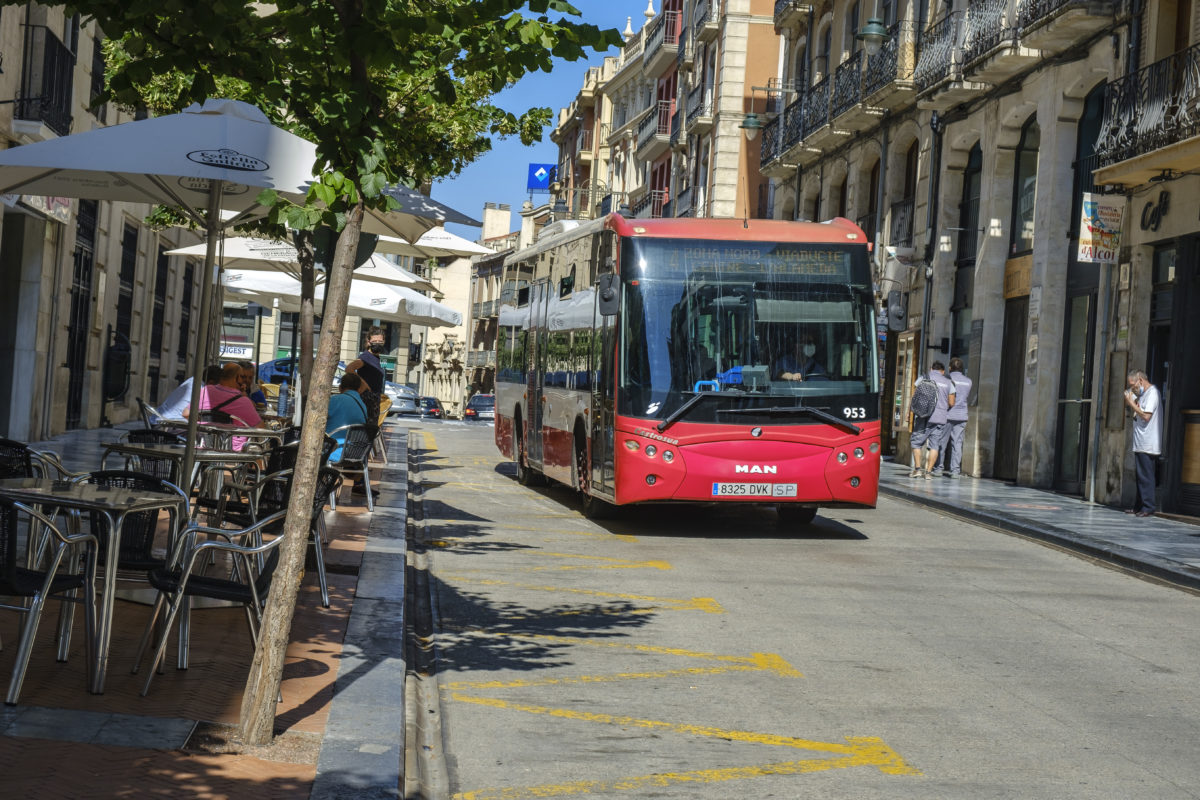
(756, 469)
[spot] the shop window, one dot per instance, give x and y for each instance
(1025, 189)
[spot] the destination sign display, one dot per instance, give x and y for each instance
(751, 261)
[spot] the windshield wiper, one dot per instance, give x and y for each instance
(680, 412)
(820, 414)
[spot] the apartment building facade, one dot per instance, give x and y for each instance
(93, 314)
(961, 137)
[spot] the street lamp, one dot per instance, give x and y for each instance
(750, 126)
(872, 35)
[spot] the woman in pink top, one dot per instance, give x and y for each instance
(228, 397)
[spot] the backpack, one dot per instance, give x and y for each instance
(924, 398)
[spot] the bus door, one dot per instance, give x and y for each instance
(539, 296)
(603, 417)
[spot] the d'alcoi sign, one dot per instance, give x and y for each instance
(1100, 228)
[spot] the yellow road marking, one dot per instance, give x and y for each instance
(771, 662)
(584, 680)
(864, 749)
(885, 759)
(708, 605)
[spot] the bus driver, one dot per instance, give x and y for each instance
(800, 364)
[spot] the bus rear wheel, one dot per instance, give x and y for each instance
(796, 515)
(525, 474)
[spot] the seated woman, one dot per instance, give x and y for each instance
(346, 408)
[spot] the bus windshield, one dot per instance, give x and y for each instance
(770, 326)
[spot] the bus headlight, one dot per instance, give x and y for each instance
(651, 480)
(854, 482)
(874, 447)
(858, 452)
(632, 444)
(651, 450)
(843, 458)
(668, 456)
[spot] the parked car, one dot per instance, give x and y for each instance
(430, 407)
(404, 399)
(481, 406)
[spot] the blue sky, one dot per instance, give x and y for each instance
(499, 177)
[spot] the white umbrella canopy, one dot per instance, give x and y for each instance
(247, 254)
(435, 242)
(415, 215)
(214, 156)
(367, 299)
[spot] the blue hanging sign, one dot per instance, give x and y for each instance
(540, 176)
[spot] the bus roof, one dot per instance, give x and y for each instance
(836, 231)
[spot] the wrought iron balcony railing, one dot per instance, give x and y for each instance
(867, 223)
(676, 127)
(46, 81)
(1154, 107)
(772, 141)
(847, 83)
(968, 234)
(1032, 12)
(705, 11)
(682, 205)
(901, 231)
(815, 111)
(583, 144)
(793, 123)
(887, 65)
(656, 123)
(663, 31)
(650, 205)
(985, 27)
(939, 51)
(481, 358)
(699, 102)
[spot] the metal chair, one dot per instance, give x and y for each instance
(19, 460)
(248, 584)
(148, 412)
(139, 530)
(58, 575)
(164, 468)
(356, 452)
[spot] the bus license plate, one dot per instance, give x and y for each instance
(754, 490)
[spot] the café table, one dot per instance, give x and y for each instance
(114, 504)
(204, 458)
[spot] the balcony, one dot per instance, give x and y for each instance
(888, 75)
(686, 56)
(1053, 26)
(678, 143)
(633, 47)
(938, 74)
(847, 84)
(991, 52)
(612, 203)
(485, 359)
(791, 149)
(699, 110)
(485, 309)
(654, 132)
(771, 147)
(1151, 122)
(662, 43)
(583, 146)
(815, 128)
(650, 205)
(867, 223)
(900, 233)
(790, 13)
(706, 15)
(682, 205)
(43, 108)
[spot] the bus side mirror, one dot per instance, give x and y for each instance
(608, 292)
(897, 312)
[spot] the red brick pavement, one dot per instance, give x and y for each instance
(210, 690)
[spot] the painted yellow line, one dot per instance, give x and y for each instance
(584, 680)
(770, 662)
(888, 762)
(708, 605)
(865, 749)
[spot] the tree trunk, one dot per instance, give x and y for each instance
(262, 685)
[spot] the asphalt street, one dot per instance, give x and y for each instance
(709, 652)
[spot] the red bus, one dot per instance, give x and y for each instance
(695, 360)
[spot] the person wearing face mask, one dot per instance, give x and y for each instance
(1143, 399)
(368, 367)
(801, 363)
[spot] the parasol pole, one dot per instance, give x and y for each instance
(213, 224)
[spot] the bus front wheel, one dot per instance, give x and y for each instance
(796, 515)
(593, 507)
(525, 474)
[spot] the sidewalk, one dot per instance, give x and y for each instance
(339, 726)
(1157, 547)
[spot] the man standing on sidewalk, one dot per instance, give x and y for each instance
(950, 455)
(1143, 399)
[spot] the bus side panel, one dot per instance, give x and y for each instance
(503, 430)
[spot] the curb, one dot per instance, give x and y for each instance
(362, 751)
(1117, 556)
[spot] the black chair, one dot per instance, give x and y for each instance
(138, 532)
(356, 452)
(67, 571)
(148, 413)
(248, 583)
(165, 467)
(273, 494)
(19, 460)
(153, 436)
(284, 456)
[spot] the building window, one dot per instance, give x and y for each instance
(160, 301)
(128, 274)
(1025, 189)
(185, 315)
